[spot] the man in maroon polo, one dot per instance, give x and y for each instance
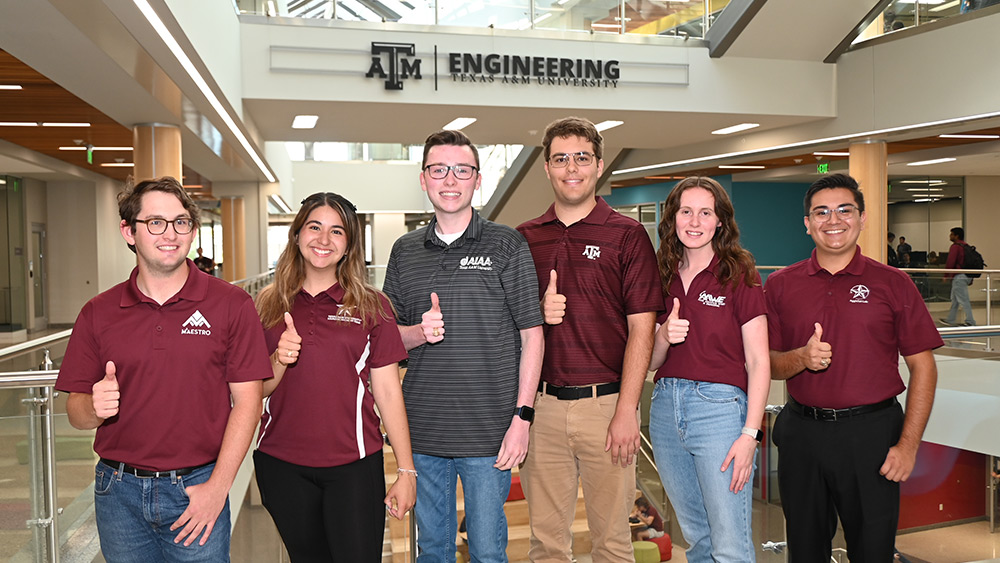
(601, 292)
(837, 324)
(167, 366)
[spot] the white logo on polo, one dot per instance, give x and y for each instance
(196, 324)
(859, 294)
(475, 263)
(706, 298)
(593, 252)
(344, 315)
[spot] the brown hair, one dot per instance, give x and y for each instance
(130, 199)
(277, 298)
(573, 127)
(736, 264)
(449, 137)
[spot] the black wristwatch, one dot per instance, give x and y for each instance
(525, 413)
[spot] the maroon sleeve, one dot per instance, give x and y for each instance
(772, 296)
(387, 345)
(749, 301)
(247, 356)
(915, 329)
(81, 366)
(640, 274)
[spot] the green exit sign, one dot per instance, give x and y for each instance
(823, 168)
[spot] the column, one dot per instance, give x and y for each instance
(869, 165)
(156, 151)
(234, 247)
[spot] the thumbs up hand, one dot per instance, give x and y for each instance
(290, 343)
(432, 322)
(676, 327)
(818, 354)
(106, 394)
(553, 302)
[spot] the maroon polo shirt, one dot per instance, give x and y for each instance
(713, 350)
(870, 314)
(606, 269)
(174, 364)
(322, 414)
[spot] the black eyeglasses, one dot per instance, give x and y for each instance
(158, 225)
(561, 160)
(440, 171)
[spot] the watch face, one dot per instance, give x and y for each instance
(525, 413)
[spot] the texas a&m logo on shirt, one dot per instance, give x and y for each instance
(196, 324)
(591, 251)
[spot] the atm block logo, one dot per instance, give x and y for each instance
(400, 60)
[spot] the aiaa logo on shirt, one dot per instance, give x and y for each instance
(859, 294)
(196, 324)
(476, 263)
(592, 252)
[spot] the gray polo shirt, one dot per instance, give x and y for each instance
(460, 393)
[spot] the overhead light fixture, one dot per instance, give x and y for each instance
(932, 161)
(561, 2)
(924, 190)
(831, 154)
(280, 203)
(10, 87)
(968, 136)
(926, 200)
(459, 123)
(742, 166)
(118, 164)
(608, 124)
(175, 48)
(945, 6)
(83, 148)
(607, 25)
(304, 121)
(64, 124)
(920, 181)
(735, 128)
(18, 124)
(2, 181)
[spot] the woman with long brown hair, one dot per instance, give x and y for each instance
(335, 350)
(712, 371)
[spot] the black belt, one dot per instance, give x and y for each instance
(834, 415)
(574, 393)
(148, 473)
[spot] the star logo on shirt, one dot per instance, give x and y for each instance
(859, 294)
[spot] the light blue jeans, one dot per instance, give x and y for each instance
(485, 488)
(692, 425)
(134, 515)
(960, 296)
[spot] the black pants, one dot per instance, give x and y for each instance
(325, 514)
(826, 468)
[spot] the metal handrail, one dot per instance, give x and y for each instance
(23, 379)
(20, 347)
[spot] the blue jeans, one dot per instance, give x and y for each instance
(692, 425)
(960, 296)
(485, 488)
(134, 515)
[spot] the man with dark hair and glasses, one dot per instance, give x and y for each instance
(600, 285)
(167, 366)
(464, 290)
(837, 324)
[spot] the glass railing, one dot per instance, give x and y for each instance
(685, 18)
(905, 14)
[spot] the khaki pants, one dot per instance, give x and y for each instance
(567, 447)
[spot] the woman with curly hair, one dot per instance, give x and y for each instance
(712, 371)
(335, 350)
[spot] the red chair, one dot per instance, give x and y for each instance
(516, 493)
(666, 546)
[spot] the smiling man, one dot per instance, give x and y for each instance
(837, 324)
(468, 391)
(167, 366)
(601, 292)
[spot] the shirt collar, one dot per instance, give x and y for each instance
(855, 267)
(473, 232)
(195, 288)
(597, 216)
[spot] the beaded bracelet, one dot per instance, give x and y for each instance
(401, 470)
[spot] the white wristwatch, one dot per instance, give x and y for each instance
(754, 433)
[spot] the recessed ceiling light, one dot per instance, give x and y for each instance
(607, 25)
(924, 190)
(735, 128)
(118, 164)
(10, 87)
(2, 181)
(945, 6)
(968, 136)
(742, 166)
(83, 148)
(18, 124)
(831, 154)
(605, 125)
(933, 161)
(304, 121)
(64, 124)
(459, 123)
(919, 181)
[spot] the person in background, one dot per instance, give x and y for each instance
(712, 372)
(335, 351)
(959, 282)
(204, 263)
(903, 250)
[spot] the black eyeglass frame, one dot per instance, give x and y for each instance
(453, 169)
(166, 223)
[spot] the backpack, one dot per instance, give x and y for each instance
(973, 260)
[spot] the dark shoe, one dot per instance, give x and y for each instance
(946, 322)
